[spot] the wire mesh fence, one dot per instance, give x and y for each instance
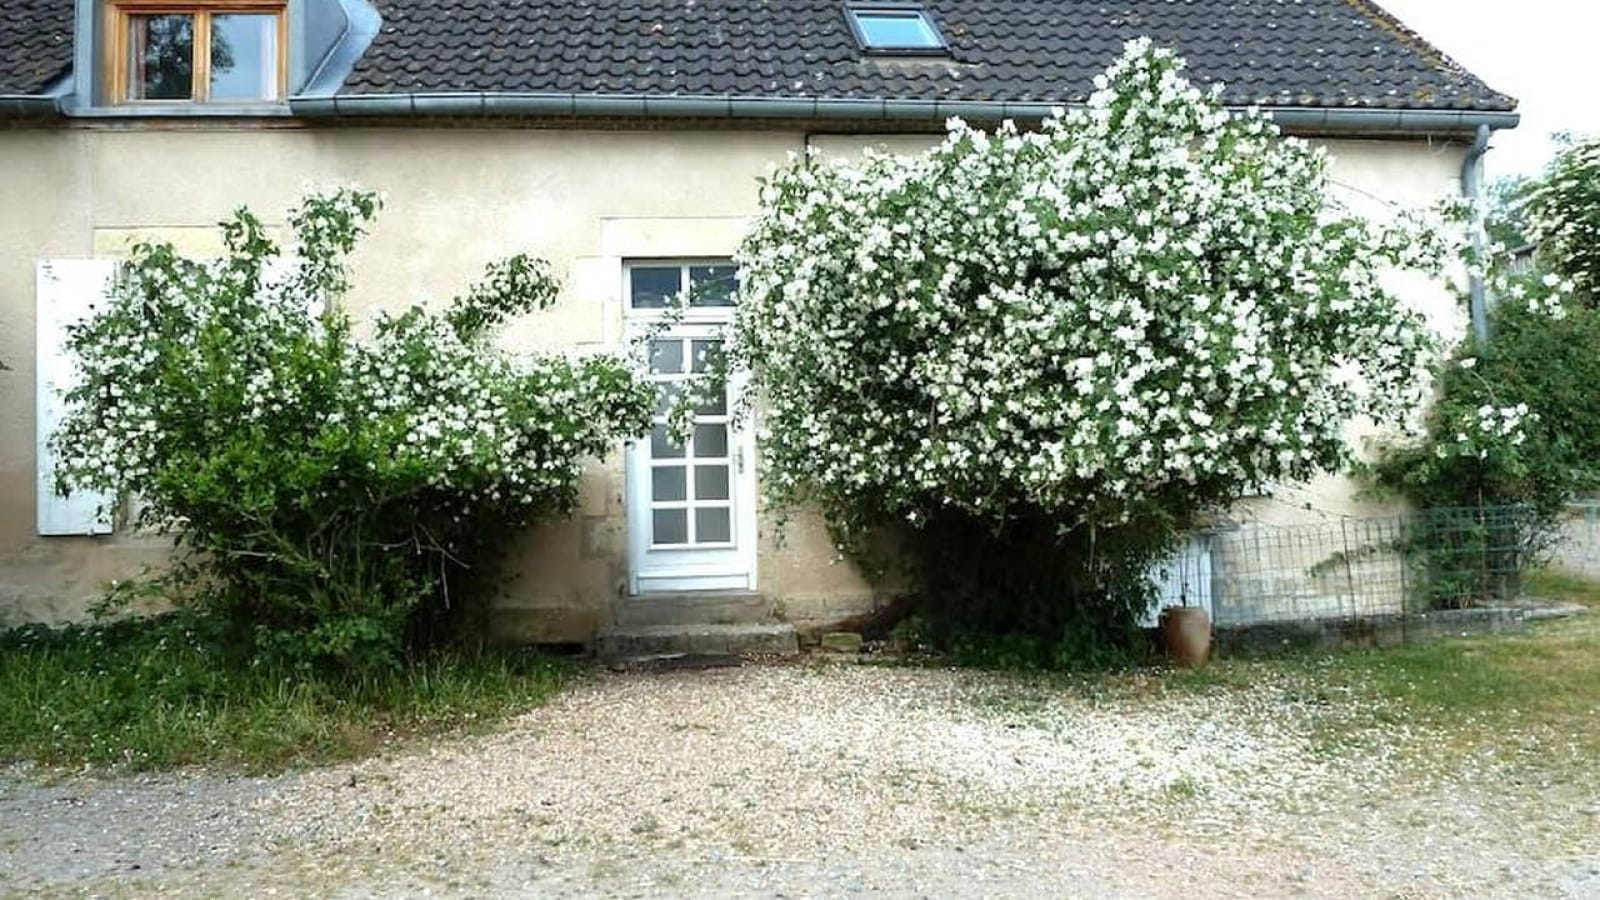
(1389, 567)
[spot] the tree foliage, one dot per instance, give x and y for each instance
(333, 489)
(1090, 334)
(1564, 216)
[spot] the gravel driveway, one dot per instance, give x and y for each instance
(828, 780)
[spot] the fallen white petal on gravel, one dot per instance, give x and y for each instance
(827, 780)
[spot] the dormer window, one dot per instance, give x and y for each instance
(895, 29)
(225, 51)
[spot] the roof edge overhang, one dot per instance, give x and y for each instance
(1335, 120)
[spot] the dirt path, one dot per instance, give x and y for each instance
(827, 781)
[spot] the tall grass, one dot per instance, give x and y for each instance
(153, 693)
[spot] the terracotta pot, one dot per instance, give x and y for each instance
(1186, 635)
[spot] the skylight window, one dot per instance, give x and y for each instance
(884, 28)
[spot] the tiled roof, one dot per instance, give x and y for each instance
(1338, 53)
(35, 44)
(1321, 53)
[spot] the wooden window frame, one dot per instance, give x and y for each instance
(116, 61)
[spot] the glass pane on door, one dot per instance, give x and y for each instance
(711, 440)
(670, 526)
(713, 525)
(705, 353)
(711, 482)
(662, 443)
(666, 356)
(669, 483)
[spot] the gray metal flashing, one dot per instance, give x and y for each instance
(362, 23)
(62, 87)
(51, 102)
(472, 103)
(86, 37)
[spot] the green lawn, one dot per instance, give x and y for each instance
(147, 694)
(1489, 693)
(1533, 696)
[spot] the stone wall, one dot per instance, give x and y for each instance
(1579, 549)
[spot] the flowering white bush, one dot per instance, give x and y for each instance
(1145, 308)
(1509, 280)
(1556, 214)
(1564, 217)
(334, 486)
(1147, 301)
(1485, 428)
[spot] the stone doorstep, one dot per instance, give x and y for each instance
(672, 661)
(687, 609)
(637, 642)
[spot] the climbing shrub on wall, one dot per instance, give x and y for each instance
(1516, 418)
(1048, 353)
(335, 492)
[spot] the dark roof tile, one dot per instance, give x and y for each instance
(1339, 53)
(35, 44)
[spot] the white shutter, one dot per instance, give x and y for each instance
(66, 291)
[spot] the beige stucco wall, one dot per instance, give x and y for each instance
(456, 199)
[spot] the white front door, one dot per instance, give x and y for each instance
(691, 505)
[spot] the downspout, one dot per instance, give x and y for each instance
(1472, 188)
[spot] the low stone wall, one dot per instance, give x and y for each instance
(1579, 549)
(1365, 631)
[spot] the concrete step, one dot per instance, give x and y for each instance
(710, 608)
(673, 661)
(638, 642)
